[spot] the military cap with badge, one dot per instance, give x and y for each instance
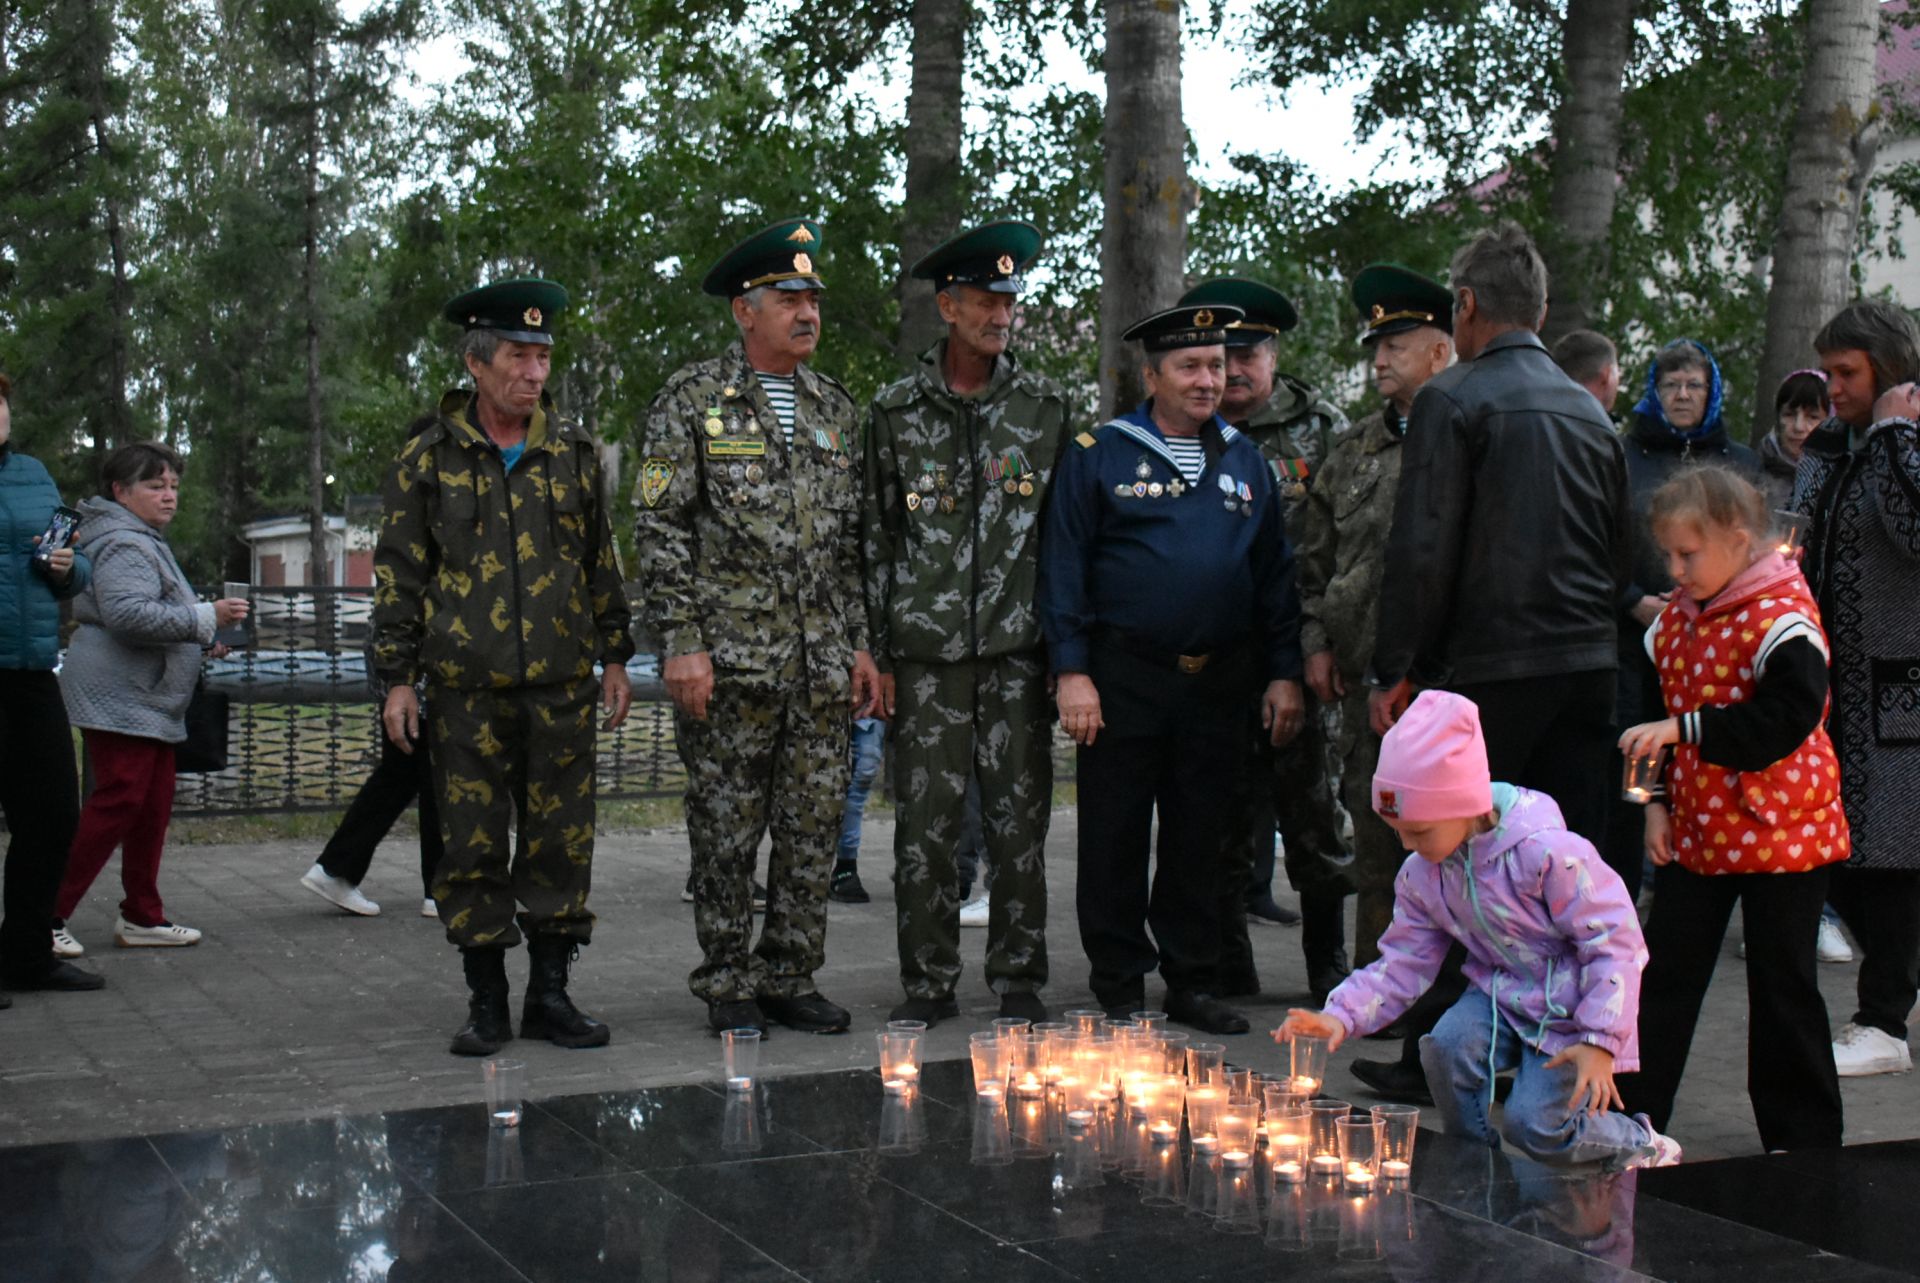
(1393, 299)
(779, 255)
(521, 310)
(991, 256)
(1265, 310)
(1183, 327)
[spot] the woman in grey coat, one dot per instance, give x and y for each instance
(1859, 480)
(128, 677)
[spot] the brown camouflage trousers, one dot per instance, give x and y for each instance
(772, 754)
(1287, 788)
(992, 717)
(1377, 851)
(522, 753)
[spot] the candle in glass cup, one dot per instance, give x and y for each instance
(1323, 1136)
(1359, 1150)
(1308, 1068)
(1359, 1179)
(1395, 1170)
(1642, 777)
(1790, 528)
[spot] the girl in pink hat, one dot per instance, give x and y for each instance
(1553, 952)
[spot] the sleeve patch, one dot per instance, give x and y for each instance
(656, 474)
(1084, 440)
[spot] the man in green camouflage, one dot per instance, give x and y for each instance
(958, 458)
(1288, 786)
(1342, 541)
(748, 539)
(495, 579)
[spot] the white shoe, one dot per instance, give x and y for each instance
(339, 891)
(1860, 1051)
(1832, 946)
(65, 946)
(428, 909)
(1661, 1151)
(164, 936)
(975, 911)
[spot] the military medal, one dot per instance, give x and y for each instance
(1143, 469)
(1122, 489)
(1156, 489)
(729, 392)
(1226, 485)
(714, 427)
(1139, 489)
(1026, 489)
(842, 462)
(913, 501)
(754, 474)
(753, 425)
(946, 503)
(926, 482)
(1176, 487)
(737, 471)
(1010, 486)
(940, 478)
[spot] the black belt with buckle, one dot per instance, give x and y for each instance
(1158, 656)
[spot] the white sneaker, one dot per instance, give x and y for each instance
(1832, 946)
(1860, 1051)
(975, 911)
(339, 891)
(1661, 1151)
(428, 909)
(65, 946)
(164, 936)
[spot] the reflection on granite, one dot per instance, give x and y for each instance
(828, 1176)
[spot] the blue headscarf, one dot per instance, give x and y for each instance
(1650, 403)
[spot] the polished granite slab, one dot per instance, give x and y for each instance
(825, 1177)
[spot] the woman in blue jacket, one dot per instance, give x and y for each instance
(38, 792)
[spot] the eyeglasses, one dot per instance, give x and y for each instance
(1674, 387)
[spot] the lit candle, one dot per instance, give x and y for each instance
(1164, 1131)
(988, 1089)
(1029, 1086)
(1287, 1140)
(1236, 1158)
(1326, 1163)
(906, 1073)
(1080, 1118)
(1395, 1170)
(1639, 795)
(1359, 1178)
(895, 1087)
(1288, 1171)
(1305, 1086)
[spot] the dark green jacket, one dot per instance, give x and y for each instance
(954, 491)
(485, 578)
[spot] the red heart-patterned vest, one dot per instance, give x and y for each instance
(1785, 819)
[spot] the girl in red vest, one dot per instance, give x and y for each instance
(1751, 811)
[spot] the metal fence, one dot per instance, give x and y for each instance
(303, 731)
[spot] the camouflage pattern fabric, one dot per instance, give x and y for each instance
(1341, 545)
(525, 753)
(772, 754)
(954, 491)
(485, 579)
(1295, 426)
(748, 548)
(994, 717)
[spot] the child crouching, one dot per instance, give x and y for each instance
(1553, 952)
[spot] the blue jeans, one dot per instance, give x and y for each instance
(869, 739)
(1538, 1122)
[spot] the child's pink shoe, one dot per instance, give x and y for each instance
(1660, 1151)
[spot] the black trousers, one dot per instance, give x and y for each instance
(1882, 909)
(1553, 734)
(1173, 743)
(1790, 1077)
(40, 797)
(396, 781)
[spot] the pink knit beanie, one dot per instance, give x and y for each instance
(1433, 763)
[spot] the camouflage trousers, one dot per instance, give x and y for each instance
(1377, 852)
(514, 771)
(771, 754)
(1288, 788)
(992, 718)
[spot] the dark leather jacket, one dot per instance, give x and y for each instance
(1510, 541)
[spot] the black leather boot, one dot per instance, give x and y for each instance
(548, 1012)
(489, 1015)
(1323, 941)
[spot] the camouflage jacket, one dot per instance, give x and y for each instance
(487, 578)
(749, 548)
(1342, 543)
(954, 492)
(1295, 431)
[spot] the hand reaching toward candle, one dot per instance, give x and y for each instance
(1648, 738)
(1592, 1077)
(1316, 1023)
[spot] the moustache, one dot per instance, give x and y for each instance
(802, 332)
(1239, 381)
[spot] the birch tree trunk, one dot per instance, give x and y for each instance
(1143, 242)
(1836, 134)
(931, 212)
(319, 564)
(1597, 36)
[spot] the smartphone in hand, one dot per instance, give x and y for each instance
(60, 532)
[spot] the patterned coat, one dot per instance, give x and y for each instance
(748, 548)
(1863, 561)
(488, 579)
(1786, 818)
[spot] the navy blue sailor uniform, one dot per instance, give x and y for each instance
(1175, 594)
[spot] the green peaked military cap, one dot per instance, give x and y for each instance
(1268, 311)
(1179, 327)
(779, 255)
(1393, 299)
(991, 256)
(521, 310)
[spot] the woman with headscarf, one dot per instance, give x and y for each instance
(1675, 425)
(1859, 483)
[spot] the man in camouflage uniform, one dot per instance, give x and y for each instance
(495, 578)
(1342, 541)
(749, 549)
(957, 464)
(1294, 427)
